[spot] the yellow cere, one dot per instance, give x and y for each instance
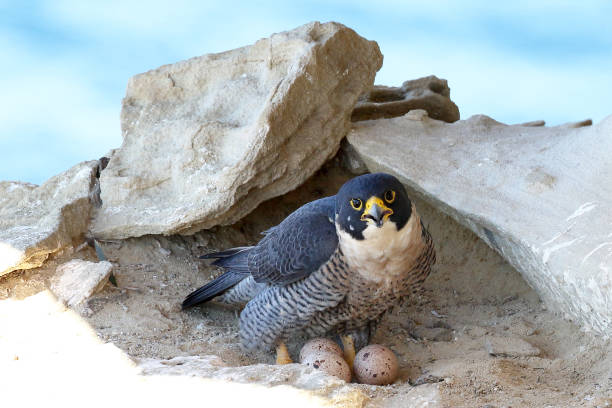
(377, 201)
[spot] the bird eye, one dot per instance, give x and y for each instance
(356, 203)
(390, 196)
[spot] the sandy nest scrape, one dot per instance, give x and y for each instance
(440, 337)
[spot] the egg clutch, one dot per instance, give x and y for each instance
(374, 364)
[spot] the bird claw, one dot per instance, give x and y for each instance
(348, 345)
(282, 355)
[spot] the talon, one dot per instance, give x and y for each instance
(282, 355)
(349, 350)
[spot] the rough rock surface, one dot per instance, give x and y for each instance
(77, 280)
(298, 375)
(45, 349)
(36, 221)
(429, 93)
(201, 134)
(540, 196)
(350, 159)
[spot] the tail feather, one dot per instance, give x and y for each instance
(235, 260)
(224, 254)
(212, 289)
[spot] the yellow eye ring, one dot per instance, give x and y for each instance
(390, 196)
(356, 203)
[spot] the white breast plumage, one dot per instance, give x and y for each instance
(385, 253)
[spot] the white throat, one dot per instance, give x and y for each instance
(385, 253)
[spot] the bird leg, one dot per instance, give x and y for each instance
(282, 354)
(348, 345)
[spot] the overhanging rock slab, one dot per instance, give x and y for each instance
(208, 139)
(540, 196)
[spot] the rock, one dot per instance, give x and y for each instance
(522, 328)
(540, 196)
(426, 378)
(36, 221)
(210, 366)
(429, 93)
(475, 331)
(296, 375)
(534, 123)
(77, 280)
(433, 334)
(44, 343)
(208, 139)
(350, 159)
(582, 123)
(510, 347)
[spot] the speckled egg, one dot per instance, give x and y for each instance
(319, 345)
(330, 363)
(375, 365)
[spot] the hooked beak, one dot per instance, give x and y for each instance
(376, 211)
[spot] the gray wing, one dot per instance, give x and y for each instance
(296, 247)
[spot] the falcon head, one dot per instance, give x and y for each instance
(371, 201)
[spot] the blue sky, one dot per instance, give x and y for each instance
(65, 63)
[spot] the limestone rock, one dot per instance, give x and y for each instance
(350, 159)
(45, 344)
(510, 347)
(534, 123)
(208, 139)
(429, 93)
(432, 333)
(540, 196)
(77, 280)
(296, 375)
(36, 221)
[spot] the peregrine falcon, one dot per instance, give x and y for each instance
(334, 266)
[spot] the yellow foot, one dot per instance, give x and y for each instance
(282, 355)
(349, 350)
